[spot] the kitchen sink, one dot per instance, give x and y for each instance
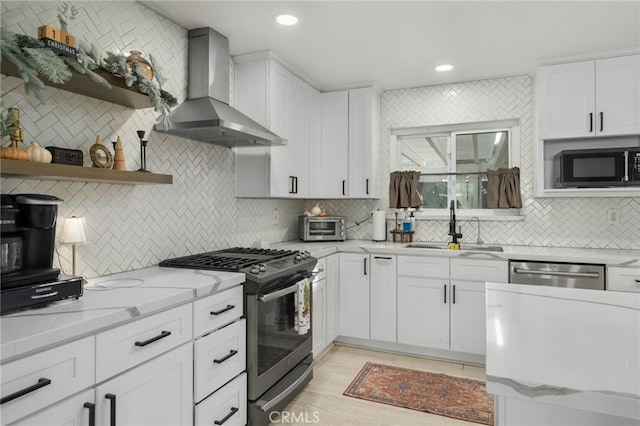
(443, 246)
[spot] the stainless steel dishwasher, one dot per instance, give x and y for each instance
(575, 275)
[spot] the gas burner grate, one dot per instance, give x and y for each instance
(232, 259)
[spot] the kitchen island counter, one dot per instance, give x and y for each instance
(563, 355)
(107, 302)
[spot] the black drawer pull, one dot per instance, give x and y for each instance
(112, 411)
(223, 310)
(454, 294)
(344, 182)
(590, 122)
(92, 412)
(41, 383)
(227, 417)
(601, 121)
(223, 359)
(445, 293)
(153, 339)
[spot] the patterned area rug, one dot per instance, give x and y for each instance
(440, 394)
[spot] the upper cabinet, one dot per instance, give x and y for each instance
(590, 98)
(585, 104)
(333, 139)
(271, 95)
(350, 157)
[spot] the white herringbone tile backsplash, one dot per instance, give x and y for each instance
(135, 226)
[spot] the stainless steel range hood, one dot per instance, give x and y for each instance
(206, 115)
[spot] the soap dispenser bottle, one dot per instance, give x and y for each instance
(412, 219)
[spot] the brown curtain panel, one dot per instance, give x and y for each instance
(503, 189)
(403, 190)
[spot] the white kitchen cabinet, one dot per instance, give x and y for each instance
(354, 295)
(158, 392)
(623, 279)
(270, 94)
(423, 311)
(228, 406)
(319, 307)
(78, 410)
(350, 144)
(589, 98)
(333, 297)
(37, 381)
(334, 160)
(383, 290)
(441, 301)
(364, 143)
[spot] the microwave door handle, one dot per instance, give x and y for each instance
(626, 166)
(279, 293)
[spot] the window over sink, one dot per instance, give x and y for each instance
(453, 161)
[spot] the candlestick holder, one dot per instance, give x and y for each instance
(143, 152)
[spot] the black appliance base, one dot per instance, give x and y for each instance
(66, 287)
(269, 406)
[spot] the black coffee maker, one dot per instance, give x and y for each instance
(27, 240)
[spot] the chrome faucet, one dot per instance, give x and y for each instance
(478, 240)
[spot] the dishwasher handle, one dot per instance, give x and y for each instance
(524, 271)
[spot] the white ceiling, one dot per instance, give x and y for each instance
(398, 43)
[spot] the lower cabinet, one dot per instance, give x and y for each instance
(441, 301)
(319, 308)
(225, 406)
(78, 410)
(383, 290)
(355, 269)
(158, 392)
(333, 297)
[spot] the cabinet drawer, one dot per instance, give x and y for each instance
(69, 368)
(423, 267)
(228, 406)
(71, 411)
(219, 357)
(320, 270)
(623, 279)
(480, 270)
(217, 310)
(123, 347)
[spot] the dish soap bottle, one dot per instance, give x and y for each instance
(412, 220)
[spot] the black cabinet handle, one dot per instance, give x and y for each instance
(445, 293)
(601, 121)
(223, 310)
(42, 382)
(295, 180)
(112, 411)
(454, 295)
(590, 122)
(367, 186)
(221, 360)
(154, 339)
(344, 182)
(92, 412)
(227, 417)
(383, 257)
(365, 266)
(291, 184)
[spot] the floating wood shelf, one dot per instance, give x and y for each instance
(44, 171)
(83, 84)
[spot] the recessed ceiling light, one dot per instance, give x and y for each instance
(286, 20)
(444, 67)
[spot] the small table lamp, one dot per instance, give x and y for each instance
(74, 231)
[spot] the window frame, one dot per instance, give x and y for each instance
(451, 130)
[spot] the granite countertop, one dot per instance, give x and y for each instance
(609, 257)
(107, 301)
(530, 357)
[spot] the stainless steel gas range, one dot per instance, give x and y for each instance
(279, 358)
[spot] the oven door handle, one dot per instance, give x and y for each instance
(269, 405)
(279, 293)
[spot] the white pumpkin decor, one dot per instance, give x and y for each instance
(38, 154)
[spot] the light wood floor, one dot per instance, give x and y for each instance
(322, 401)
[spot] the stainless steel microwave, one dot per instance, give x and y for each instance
(596, 168)
(321, 228)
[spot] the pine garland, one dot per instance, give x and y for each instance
(33, 59)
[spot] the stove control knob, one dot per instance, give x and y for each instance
(262, 267)
(254, 269)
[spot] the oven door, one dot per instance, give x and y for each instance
(275, 345)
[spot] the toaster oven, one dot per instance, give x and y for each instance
(321, 228)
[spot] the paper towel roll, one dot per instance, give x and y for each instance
(379, 225)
